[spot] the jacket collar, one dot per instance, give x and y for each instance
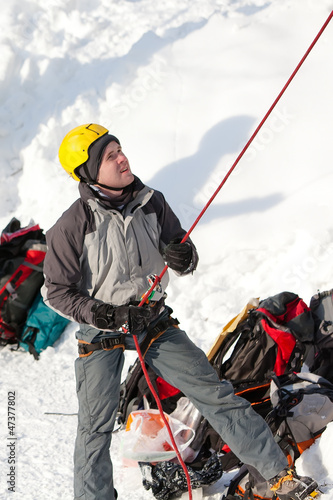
(140, 195)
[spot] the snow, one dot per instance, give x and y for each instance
(183, 84)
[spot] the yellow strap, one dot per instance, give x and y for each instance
(231, 326)
(288, 477)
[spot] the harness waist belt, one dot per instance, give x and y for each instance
(108, 344)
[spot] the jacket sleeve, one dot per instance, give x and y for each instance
(171, 228)
(62, 274)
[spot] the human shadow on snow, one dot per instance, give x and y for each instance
(196, 177)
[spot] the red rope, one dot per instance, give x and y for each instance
(258, 128)
(158, 278)
(166, 423)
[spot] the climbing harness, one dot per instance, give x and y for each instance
(85, 349)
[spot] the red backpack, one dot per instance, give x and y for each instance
(22, 253)
(274, 337)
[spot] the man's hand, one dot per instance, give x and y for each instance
(108, 317)
(178, 255)
(136, 317)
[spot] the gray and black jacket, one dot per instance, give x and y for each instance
(99, 253)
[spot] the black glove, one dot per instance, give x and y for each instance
(178, 255)
(108, 317)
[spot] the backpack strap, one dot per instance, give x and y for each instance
(10, 286)
(30, 340)
(233, 485)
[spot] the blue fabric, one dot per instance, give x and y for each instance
(46, 323)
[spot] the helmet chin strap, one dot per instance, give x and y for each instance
(107, 187)
(88, 180)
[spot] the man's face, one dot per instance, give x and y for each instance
(114, 170)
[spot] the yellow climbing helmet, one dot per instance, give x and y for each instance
(73, 151)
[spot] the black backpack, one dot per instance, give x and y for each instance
(274, 338)
(258, 347)
(257, 353)
(22, 253)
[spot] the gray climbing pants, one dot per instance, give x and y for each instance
(181, 363)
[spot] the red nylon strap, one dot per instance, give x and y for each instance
(165, 390)
(293, 309)
(285, 342)
(6, 237)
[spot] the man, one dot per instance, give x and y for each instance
(102, 252)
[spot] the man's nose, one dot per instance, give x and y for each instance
(121, 157)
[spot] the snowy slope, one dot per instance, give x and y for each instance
(183, 84)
